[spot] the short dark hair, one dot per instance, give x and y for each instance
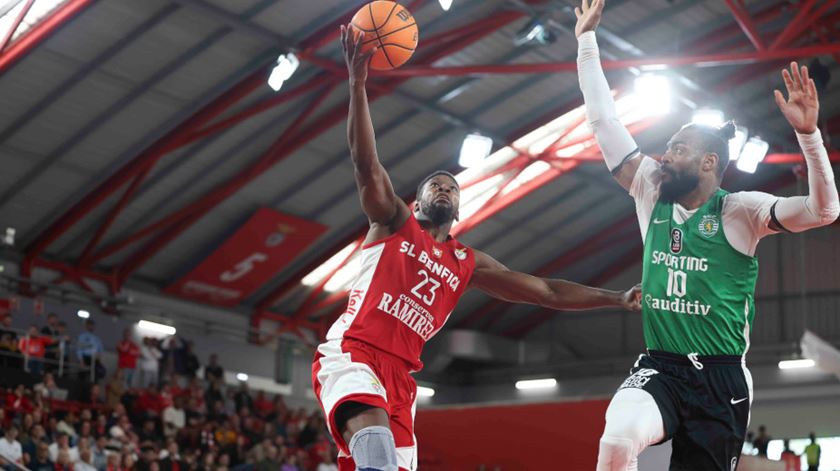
(433, 175)
(715, 140)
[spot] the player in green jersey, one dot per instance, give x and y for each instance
(699, 270)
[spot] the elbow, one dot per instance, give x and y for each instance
(831, 213)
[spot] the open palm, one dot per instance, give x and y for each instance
(802, 107)
(588, 16)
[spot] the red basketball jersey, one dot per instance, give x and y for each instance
(407, 287)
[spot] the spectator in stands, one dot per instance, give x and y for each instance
(174, 418)
(242, 398)
(51, 331)
(150, 355)
(9, 352)
(761, 441)
(327, 463)
(32, 442)
(88, 350)
(11, 451)
(262, 406)
(789, 458)
(64, 462)
(98, 453)
(85, 462)
(33, 348)
(191, 363)
(48, 389)
(213, 372)
(148, 457)
(127, 354)
(41, 460)
(18, 402)
(813, 453)
(62, 444)
(115, 389)
(172, 461)
(270, 462)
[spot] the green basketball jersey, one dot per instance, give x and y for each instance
(698, 290)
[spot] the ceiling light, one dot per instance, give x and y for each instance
(736, 144)
(536, 384)
(707, 117)
(474, 150)
(425, 392)
(653, 92)
(752, 154)
(83, 314)
(156, 328)
(242, 377)
(796, 364)
(445, 4)
(286, 66)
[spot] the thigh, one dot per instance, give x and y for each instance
(647, 375)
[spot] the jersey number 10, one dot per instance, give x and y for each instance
(676, 283)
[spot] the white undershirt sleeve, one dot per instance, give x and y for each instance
(645, 191)
(615, 141)
(821, 206)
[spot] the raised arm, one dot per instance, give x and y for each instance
(801, 109)
(379, 201)
(619, 148)
(499, 282)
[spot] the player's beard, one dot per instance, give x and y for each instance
(438, 213)
(680, 185)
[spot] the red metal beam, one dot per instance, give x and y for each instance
(279, 151)
(742, 17)
(14, 26)
(199, 208)
(795, 25)
(706, 60)
(41, 31)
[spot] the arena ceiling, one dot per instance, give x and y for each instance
(136, 137)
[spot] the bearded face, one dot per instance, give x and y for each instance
(439, 201)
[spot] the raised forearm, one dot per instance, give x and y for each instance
(360, 133)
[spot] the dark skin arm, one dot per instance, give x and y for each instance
(502, 283)
(384, 209)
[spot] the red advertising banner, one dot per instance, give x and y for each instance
(248, 259)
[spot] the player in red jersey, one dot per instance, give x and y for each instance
(412, 275)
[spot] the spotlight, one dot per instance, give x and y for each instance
(286, 66)
(83, 314)
(796, 364)
(474, 150)
(425, 392)
(536, 32)
(536, 384)
(445, 4)
(157, 328)
(736, 144)
(242, 377)
(653, 92)
(707, 117)
(753, 154)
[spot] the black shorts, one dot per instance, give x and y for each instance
(705, 407)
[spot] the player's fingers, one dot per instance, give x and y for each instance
(812, 88)
(797, 78)
(788, 81)
(780, 99)
(367, 55)
(584, 6)
(578, 13)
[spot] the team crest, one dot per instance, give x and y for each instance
(709, 225)
(461, 254)
(437, 252)
(676, 240)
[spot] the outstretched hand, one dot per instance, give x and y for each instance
(357, 61)
(802, 107)
(632, 299)
(588, 16)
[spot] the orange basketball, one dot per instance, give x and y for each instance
(391, 28)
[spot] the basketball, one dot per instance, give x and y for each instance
(390, 27)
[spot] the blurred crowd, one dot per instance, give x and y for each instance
(154, 412)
